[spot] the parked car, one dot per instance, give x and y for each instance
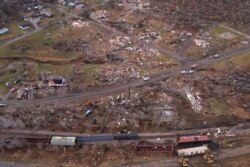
(216, 56)
(3, 105)
(146, 78)
(88, 112)
(187, 71)
(193, 66)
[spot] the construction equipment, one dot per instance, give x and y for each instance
(183, 161)
(208, 157)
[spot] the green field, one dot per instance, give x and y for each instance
(239, 62)
(38, 47)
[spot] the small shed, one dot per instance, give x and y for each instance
(56, 81)
(24, 26)
(63, 141)
(46, 13)
(3, 31)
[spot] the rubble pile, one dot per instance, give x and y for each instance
(178, 37)
(117, 74)
(80, 24)
(203, 34)
(135, 4)
(159, 106)
(123, 26)
(151, 108)
(194, 99)
(120, 42)
(202, 43)
(26, 93)
(144, 51)
(100, 15)
(149, 36)
(202, 38)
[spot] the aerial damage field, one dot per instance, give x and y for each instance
(122, 67)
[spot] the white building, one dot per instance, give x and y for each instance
(3, 31)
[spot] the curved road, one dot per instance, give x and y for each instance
(125, 86)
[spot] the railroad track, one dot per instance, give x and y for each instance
(241, 129)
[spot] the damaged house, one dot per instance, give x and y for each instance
(55, 81)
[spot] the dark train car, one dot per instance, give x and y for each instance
(193, 141)
(89, 139)
(131, 136)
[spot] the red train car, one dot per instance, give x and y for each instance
(193, 141)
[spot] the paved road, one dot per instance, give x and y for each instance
(20, 37)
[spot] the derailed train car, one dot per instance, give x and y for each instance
(72, 141)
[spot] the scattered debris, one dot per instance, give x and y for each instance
(120, 42)
(202, 43)
(80, 24)
(100, 15)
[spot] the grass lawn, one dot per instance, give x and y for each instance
(217, 107)
(3, 80)
(217, 30)
(14, 31)
(39, 47)
(240, 62)
(64, 70)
